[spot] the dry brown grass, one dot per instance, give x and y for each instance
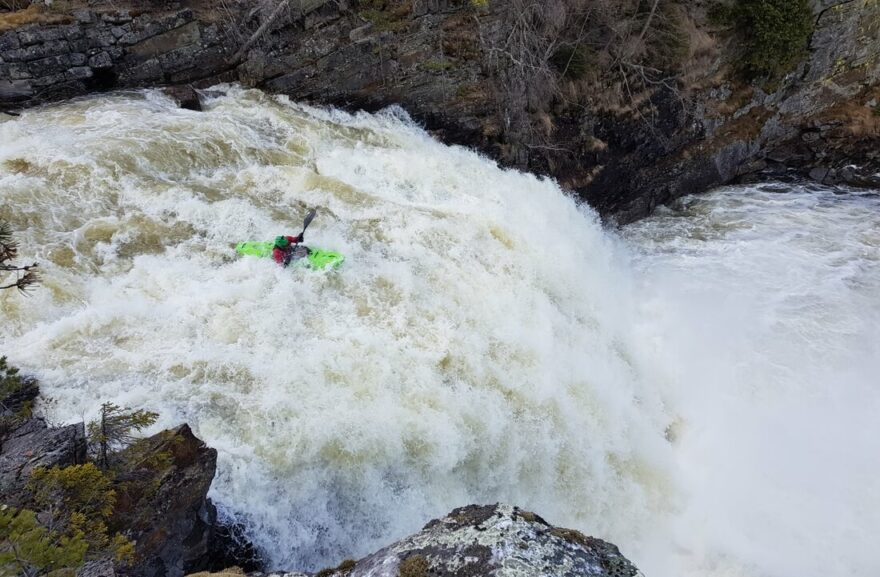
(33, 14)
(414, 566)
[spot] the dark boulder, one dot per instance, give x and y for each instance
(185, 96)
(162, 503)
(15, 90)
(33, 444)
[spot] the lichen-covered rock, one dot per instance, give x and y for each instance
(498, 540)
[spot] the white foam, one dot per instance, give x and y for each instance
(486, 340)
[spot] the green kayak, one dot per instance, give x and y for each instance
(316, 257)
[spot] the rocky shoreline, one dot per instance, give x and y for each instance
(435, 58)
(172, 523)
(175, 530)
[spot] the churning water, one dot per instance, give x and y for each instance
(701, 389)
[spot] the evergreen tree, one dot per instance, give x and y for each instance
(114, 430)
(25, 275)
(27, 549)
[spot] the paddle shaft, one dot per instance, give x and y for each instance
(309, 218)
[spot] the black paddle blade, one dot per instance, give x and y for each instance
(309, 218)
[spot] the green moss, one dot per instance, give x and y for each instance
(386, 15)
(436, 65)
(528, 516)
(414, 566)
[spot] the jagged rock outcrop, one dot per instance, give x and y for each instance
(100, 50)
(31, 443)
(161, 490)
(624, 160)
(499, 540)
(495, 540)
(162, 504)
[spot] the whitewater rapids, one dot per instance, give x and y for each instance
(701, 389)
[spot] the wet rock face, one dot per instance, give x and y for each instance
(430, 57)
(185, 96)
(498, 540)
(162, 501)
(33, 444)
(103, 50)
(170, 519)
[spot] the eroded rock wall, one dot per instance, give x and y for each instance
(439, 59)
(103, 50)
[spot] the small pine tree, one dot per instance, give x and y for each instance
(16, 395)
(10, 381)
(76, 499)
(28, 549)
(25, 275)
(77, 503)
(113, 431)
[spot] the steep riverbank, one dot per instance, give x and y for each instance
(626, 145)
(161, 507)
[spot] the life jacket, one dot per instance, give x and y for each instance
(284, 246)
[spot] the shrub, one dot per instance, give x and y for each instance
(415, 566)
(775, 34)
(77, 502)
(16, 394)
(78, 499)
(10, 381)
(668, 43)
(28, 549)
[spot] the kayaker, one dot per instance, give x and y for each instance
(284, 248)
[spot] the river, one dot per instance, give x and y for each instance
(699, 388)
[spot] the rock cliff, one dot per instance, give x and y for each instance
(108, 49)
(626, 142)
(160, 488)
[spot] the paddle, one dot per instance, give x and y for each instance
(309, 218)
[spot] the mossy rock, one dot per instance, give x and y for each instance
(414, 566)
(341, 569)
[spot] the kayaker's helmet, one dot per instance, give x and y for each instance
(281, 242)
